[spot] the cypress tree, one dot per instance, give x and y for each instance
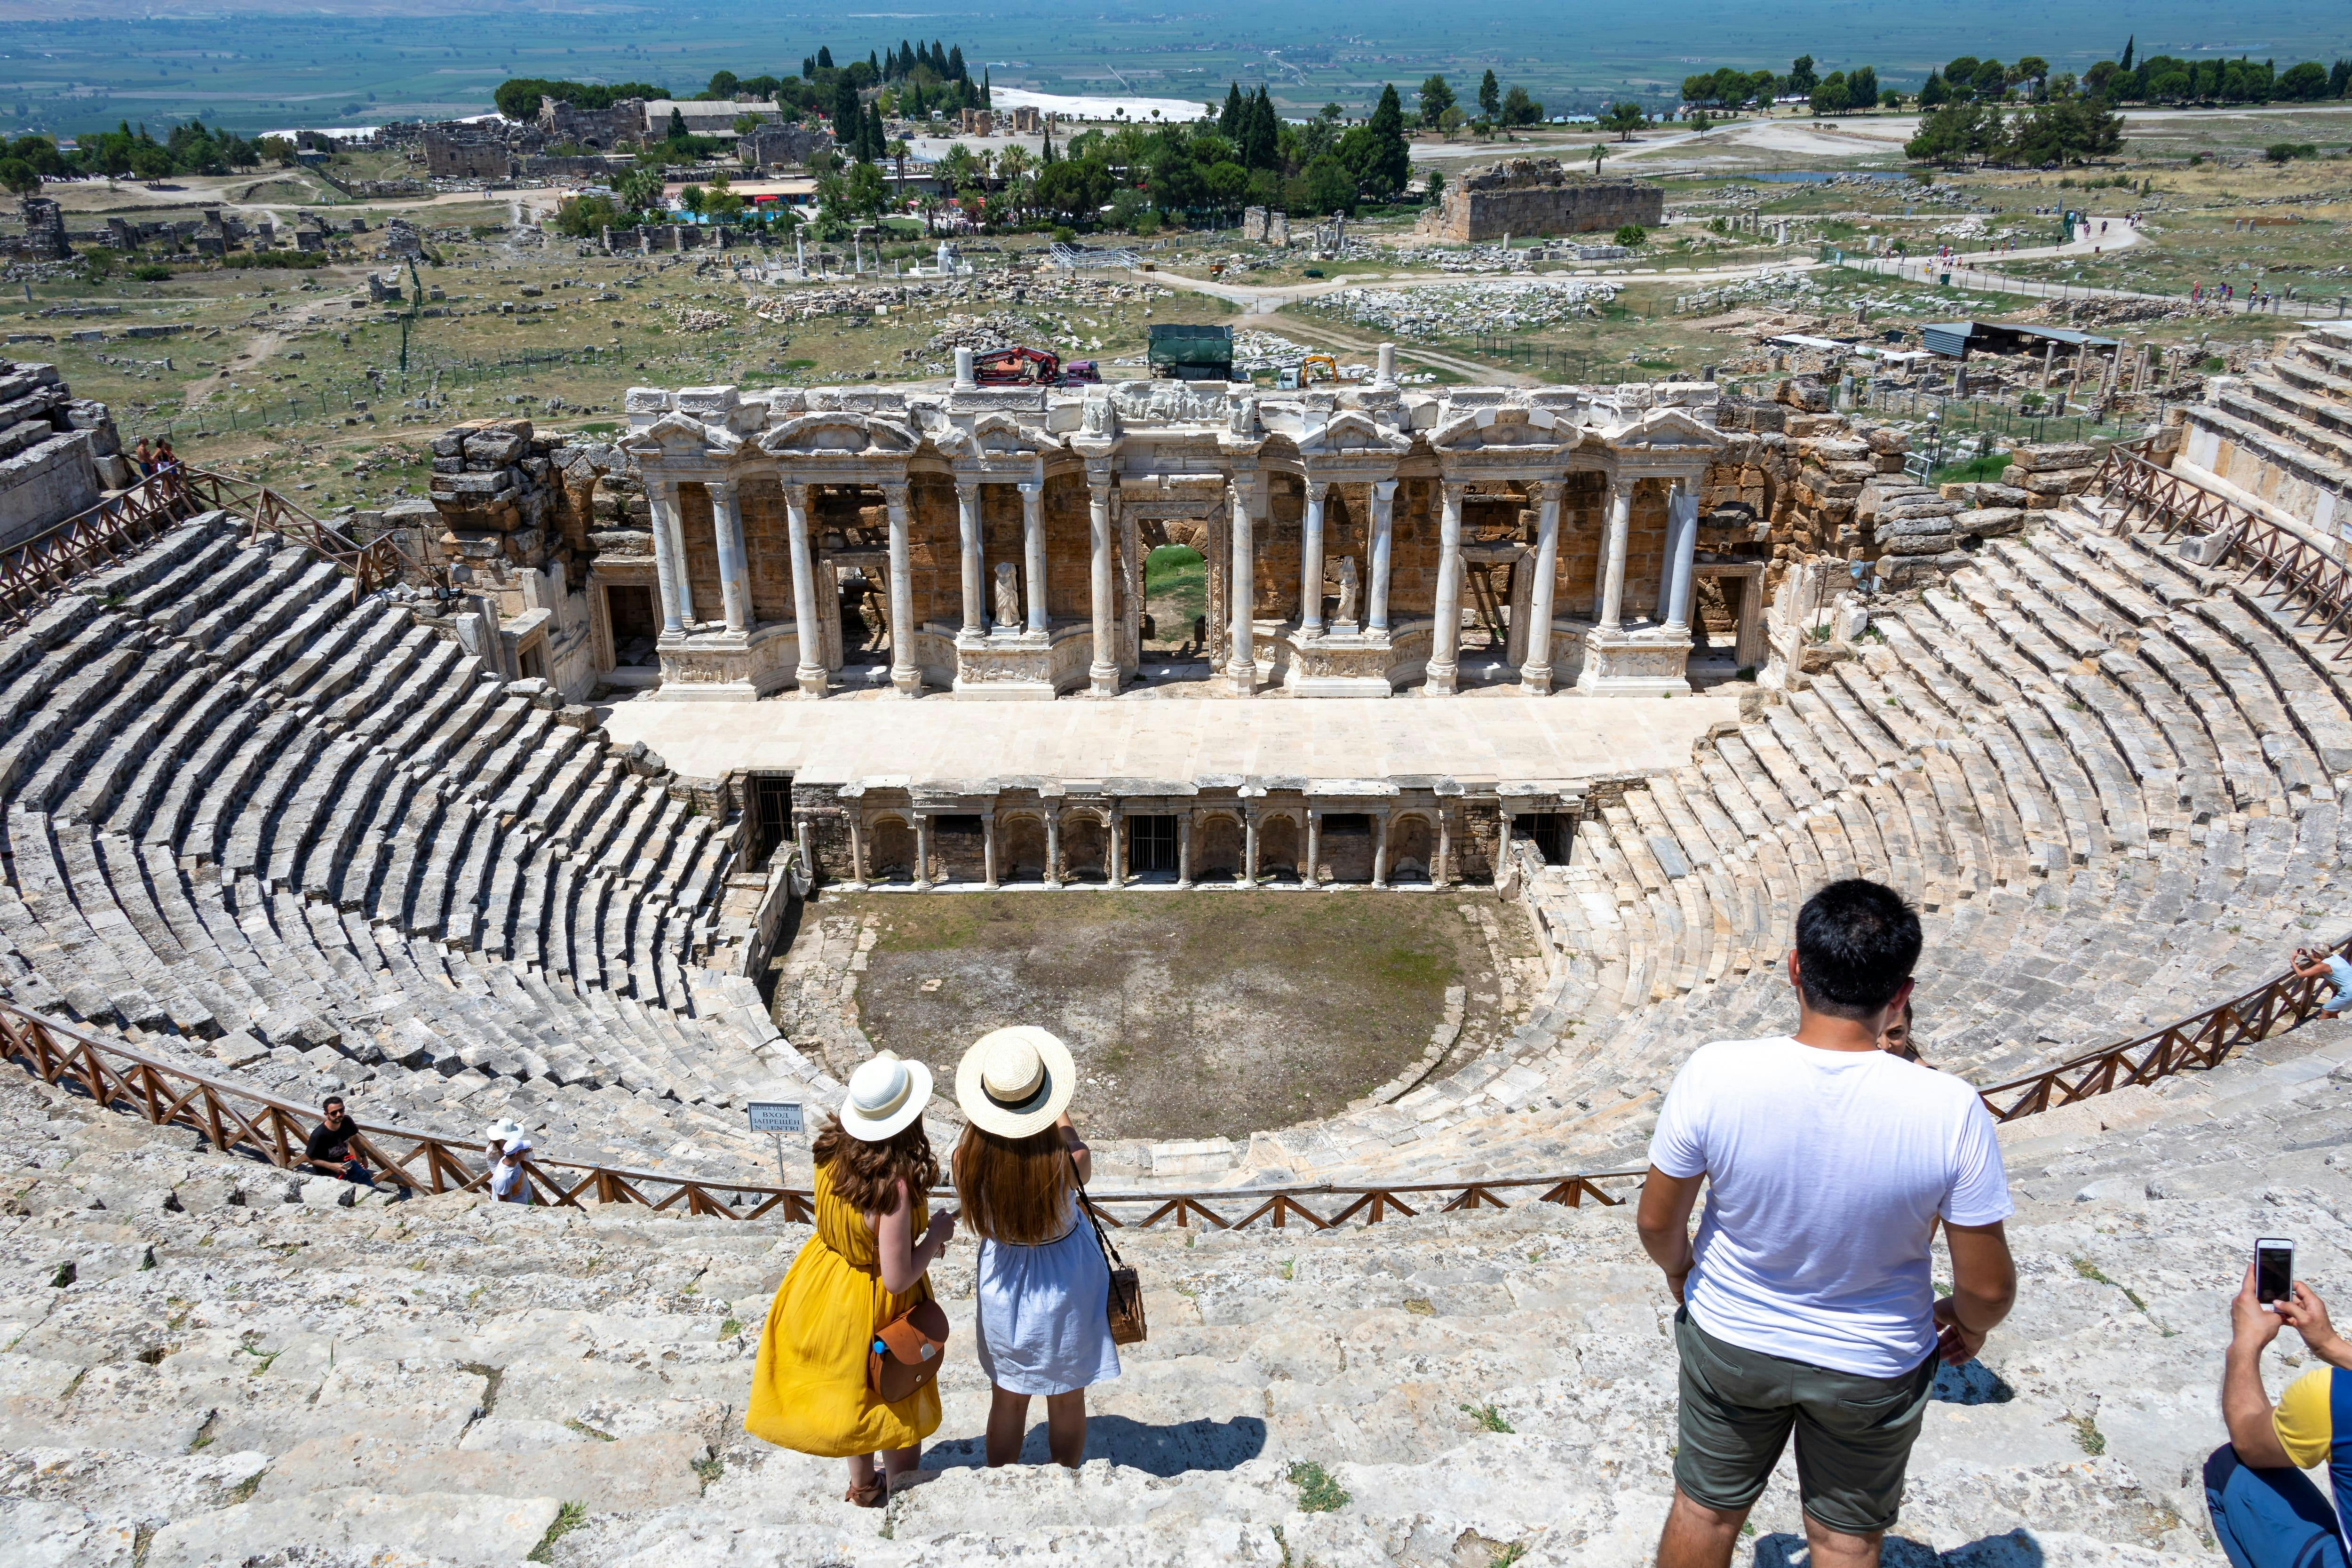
(823, 57)
(2129, 45)
(984, 102)
(1391, 162)
(955, 64)
(1230, 123)
(847, 123)
(808, 67)
(1263, 151)
(877, 138)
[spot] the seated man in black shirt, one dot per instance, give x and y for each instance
(328, 1149)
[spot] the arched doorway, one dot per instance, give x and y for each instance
(1217, 851)
(1083, 848)
(1277, 849)
(892, 856)
(1413, 847)
(1022, 858)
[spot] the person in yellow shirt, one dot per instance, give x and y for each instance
(2266, 1512)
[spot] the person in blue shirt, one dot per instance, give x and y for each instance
(2331, 967)
(2266, 1512)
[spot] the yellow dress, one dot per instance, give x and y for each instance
(808, 1388)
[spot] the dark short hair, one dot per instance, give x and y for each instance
(1857, 942)
(331, 1099)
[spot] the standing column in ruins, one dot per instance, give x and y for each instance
(1102, 674)
(1241, 662)
(1376, 602)
(1310, 565)
(1682, 555)
(676, 530)
(1613, 564)
(1114, 850)
(1503, 847)
(1053, 849)
(1445, 637)
(808, 616)
(734, 581)
(1440, 869)
(1314, 844)
(1249, 848)
(922, 850)
(857, 849)
(905, 674)
(1184, 850)
(968, 530)
(1380, 850)
(1535, 676)
(1033, 543)
(988, 848)
(669, 571)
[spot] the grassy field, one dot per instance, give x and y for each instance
(1190, 1017)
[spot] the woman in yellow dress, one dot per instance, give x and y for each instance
(862, 1268)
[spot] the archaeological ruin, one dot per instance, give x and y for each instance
(374, 806)
(1530, 196)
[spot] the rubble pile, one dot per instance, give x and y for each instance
(1255, 351)
(1057, 288)
(693, 319)
(1454, 311)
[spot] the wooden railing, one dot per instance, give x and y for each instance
(108, 532)
(236, 1118)
(2282, 561)
(100, 536)
(2203, 1040)
(370, 565)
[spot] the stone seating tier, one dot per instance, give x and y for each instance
(249, 824)
(210, 1359)
(2114, 784)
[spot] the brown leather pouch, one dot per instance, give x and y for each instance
(907, 1353)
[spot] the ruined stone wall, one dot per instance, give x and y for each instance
(1539, 195)
(466, 153)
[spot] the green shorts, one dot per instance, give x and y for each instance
(1854, 1433)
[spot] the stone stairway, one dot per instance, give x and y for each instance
(2114, 782)
(206, 1360)
(251, 825)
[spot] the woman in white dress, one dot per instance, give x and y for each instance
(1042, 1288)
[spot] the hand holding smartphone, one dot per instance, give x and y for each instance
(2273, 1270)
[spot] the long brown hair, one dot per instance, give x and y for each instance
(1013, 1190)
(866, 1176)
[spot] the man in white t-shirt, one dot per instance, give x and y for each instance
(1807, 1300)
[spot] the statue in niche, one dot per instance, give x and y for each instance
(1008, 597)
(1349, 590)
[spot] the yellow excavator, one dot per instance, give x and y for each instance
(1307, 372)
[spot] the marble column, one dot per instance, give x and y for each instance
(1503, 847)
(1381, 849)
(1102, 672)
(808, 616)
(1053, 849)
(1033, 545)
(1241, 660)
(1249, 850)
(1440, 869)
(975, 621)
(1535, 675)
(1311, 563)
(922, 850)
(734, 575)
(988, 848)
(905, 674)
(1114, 851)
(670, 570)
(1682, 555)
(1314, 847)
(1184, 850)
(1445, 637)
(1376, 602)
(1612, 559)
(676, 529)
(857, 849)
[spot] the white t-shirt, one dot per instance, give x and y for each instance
(1826, 1171)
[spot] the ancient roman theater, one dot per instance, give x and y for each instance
(1383, 789)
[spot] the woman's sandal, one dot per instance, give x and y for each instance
(874, 1493)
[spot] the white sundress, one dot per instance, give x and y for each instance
(1041, 1321)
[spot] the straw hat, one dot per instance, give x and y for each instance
(885, 1095)
(509, 1132)
(1015, 1082)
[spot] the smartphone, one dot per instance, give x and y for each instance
(2273, 1270)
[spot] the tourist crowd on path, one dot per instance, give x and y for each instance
(1829, 1157)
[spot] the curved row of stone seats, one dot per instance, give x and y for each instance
(208, 1360)
(240, 809)
(2112, 782)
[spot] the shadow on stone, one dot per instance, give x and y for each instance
(1154, 1450)
(1972, 1383)
(2012, 1549)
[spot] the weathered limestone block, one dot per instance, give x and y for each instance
(1985, 523)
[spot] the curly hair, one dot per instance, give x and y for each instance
(866, 1176)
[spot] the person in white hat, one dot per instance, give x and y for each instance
(862, 1268)
(1043, 1289)
(505, 1146)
